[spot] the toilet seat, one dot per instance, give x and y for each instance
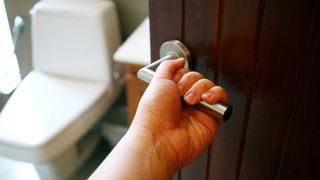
(35, 125)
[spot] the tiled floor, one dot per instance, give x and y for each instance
(16, 170)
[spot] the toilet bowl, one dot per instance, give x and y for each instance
(49, 119)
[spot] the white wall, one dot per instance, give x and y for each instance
(131, 14)
(23, 50)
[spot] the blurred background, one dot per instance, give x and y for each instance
(16, 63)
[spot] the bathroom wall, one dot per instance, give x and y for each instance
(131, 13)
(21, 8)
(3, 100)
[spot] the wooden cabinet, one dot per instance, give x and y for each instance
(135, 89)
(135, 53)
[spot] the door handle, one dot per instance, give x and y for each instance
(175, 49)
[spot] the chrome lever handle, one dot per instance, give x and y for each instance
(175, 49)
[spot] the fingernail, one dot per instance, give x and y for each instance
(207, 95)
(190, 98)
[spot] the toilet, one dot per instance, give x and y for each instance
(50, 119)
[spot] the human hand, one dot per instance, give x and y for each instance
(165, 134)
(181, 131)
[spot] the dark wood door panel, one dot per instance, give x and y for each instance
(166, 23)
(200, 40)
(266, 55)
(281, 45)
(301, 153)
(196, 170)
(200, 35)
(238, 29)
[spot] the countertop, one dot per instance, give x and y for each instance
(136, 49)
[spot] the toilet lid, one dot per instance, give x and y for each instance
(43, 106)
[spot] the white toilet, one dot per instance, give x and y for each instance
(49, 119)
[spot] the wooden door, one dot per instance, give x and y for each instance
(266, 54)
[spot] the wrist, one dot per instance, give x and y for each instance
(151, 152)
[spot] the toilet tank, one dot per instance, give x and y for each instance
(75, 38)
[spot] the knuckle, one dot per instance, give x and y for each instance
(164, 64)
(219, 89)
(206, 82)
(193, 75)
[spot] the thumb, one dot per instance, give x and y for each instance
(168, 67)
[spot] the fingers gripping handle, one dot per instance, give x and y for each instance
(175, 49)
